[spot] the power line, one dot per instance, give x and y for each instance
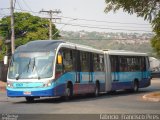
(19, 5)
(99, 21)
(86, 26)
(50, 12)
(27, 5)
(61, 28)
(111, 26)
(95, 26)
(82, 19)
(14, 4)
(26, 11)
(105, 25)
(89, 20)
(4, 8)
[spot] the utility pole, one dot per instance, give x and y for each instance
(51, 12)
(12, 28)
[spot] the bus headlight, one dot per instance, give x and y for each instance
(10, 84)
(48, 84)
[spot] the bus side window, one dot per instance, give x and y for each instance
(101, 64)
(85, 63)
(98, 63)
(68, 60)
(114, 63)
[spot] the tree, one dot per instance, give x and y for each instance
(3, 50)
(148, 9)
(27, 28)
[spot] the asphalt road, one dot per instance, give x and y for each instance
(120, 102)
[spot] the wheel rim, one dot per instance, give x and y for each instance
(135, 87)
(68, 92)
(96, 91)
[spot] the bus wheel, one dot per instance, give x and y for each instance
(30, 99)
(69, 93)
(136, 86)
(96, 93)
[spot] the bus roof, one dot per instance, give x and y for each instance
(39, 46)
(50, 45)
(81, 47)
(124, 53)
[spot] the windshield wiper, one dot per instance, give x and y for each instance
(27, 66)
(35, 67)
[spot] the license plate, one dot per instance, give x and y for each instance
(27, 93)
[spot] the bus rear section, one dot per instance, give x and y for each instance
(128, 70)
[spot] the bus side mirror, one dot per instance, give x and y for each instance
(59, 59)
(5, 60)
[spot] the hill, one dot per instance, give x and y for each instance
(117, 41)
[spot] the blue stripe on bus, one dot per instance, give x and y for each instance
(129, 76)
(58, 86)
(38, 93)
(71, 76)
(129, 85)
(121, 85)
(27, 84)
(57, 91)
(48, 91)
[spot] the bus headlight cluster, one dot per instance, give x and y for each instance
(48, 84)
(10, 84)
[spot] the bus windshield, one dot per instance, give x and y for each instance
(31, 65)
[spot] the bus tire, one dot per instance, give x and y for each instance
(69, 92)
(96, 93)
(135, 86)
(30, 99)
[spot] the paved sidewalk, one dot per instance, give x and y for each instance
(154, 96)
(2, 87)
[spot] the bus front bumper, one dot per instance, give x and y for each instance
(30, 92)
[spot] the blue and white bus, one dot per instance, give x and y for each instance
(48, 68)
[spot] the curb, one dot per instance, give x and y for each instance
(149, 97)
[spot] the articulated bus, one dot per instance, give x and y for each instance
(49, 68)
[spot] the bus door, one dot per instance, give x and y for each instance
(114, 71)
(115, 77)
(91, 68)
(143, 68)
(76, 53)
(85, 72)
(91, 73)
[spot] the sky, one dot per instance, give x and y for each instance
(78, 15)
